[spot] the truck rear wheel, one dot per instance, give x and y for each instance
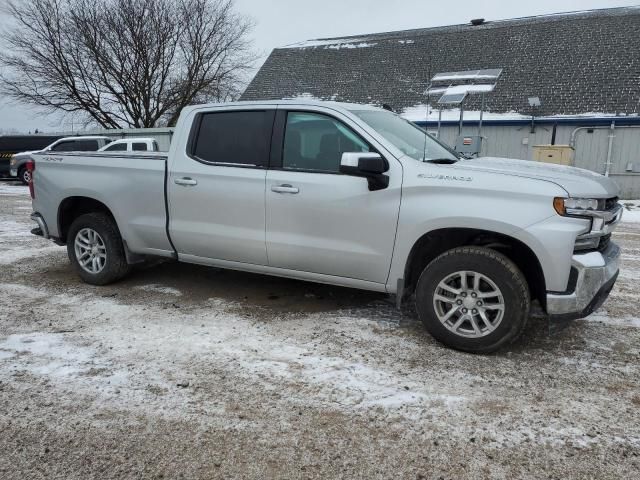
(95, 249)
(473, 299)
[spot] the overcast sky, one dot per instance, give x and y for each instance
(282, 22)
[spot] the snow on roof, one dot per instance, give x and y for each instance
(352, 45)
(575, 63)
(333, 43)
(487, 24)
(418, 113)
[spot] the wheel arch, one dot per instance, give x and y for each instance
(432, 244)
(73, 207)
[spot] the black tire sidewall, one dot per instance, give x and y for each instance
(21, 173)
(116, 261)
(509, 280)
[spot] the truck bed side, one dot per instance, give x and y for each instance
(131, 186)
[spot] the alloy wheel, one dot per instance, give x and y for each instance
(90, 250)
(469, 304)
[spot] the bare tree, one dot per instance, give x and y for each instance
(124, 63)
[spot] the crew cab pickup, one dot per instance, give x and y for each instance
(347, 195)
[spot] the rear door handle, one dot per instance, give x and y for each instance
(285, 188)
(185, 181)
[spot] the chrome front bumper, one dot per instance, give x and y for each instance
(594, 277)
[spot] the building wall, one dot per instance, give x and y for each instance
(591, 146)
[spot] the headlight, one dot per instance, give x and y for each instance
(12, 162)
(577, 206)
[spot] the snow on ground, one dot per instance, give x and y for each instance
(13, 189)
(602, 317)
(631, 212)
(16, 241)
(244, 376)
(159, 289)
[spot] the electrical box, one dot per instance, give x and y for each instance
(558, 154)
(469, 144)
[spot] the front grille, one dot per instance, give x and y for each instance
(604, 243)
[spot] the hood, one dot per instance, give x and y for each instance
(22, 155)
(577, 182)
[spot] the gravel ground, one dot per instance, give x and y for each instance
(188, 372)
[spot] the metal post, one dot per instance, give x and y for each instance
(439, 121)
(426, 123)
(461, 119)
(533, 120)
(481, 115)
(612, 129)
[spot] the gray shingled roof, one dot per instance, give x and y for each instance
(575, 62)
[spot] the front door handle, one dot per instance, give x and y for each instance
(185, 181)
(285, 188)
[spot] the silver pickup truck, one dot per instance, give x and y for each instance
(347, 195)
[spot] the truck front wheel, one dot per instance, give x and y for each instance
(473, 299)
(95, 249)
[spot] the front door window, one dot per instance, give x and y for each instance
(315, 143)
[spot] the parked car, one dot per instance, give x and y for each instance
(87, 143)
(347, 195)
(12, 144)
(131, 145)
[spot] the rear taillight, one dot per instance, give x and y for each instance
(31, 166)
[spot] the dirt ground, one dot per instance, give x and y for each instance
(188, 372)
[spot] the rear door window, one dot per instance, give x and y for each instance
(234, 138)
(116, 147)
(139, 147)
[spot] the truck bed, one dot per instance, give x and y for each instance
(120, 180)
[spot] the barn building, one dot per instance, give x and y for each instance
(583, 66)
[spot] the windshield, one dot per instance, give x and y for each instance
(408, 137)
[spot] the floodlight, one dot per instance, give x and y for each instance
(453, 98)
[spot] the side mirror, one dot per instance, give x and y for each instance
(367, 165)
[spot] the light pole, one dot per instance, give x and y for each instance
(534, 103)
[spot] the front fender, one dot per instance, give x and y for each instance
(482, 201)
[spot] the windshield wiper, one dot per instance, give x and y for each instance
(440, 161)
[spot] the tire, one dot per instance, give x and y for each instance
(495, 313)
(105, 246)
(24, 175)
